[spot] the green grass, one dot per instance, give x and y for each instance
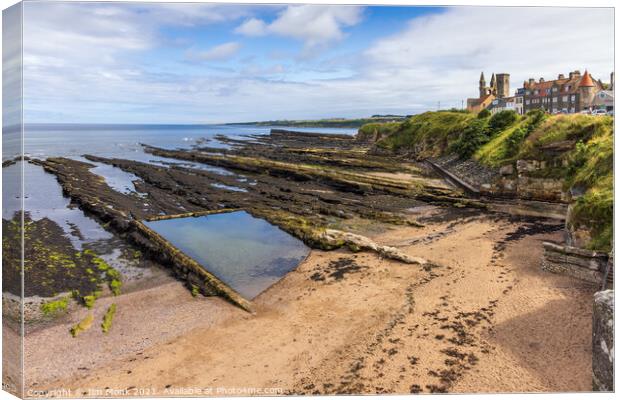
(377, 130)
(326, 123)
(505, 145)
(429, 134)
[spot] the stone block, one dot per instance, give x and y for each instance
(506, 170)
(603, 341)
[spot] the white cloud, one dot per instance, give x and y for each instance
(220, 52)
(313, 24)
(252, 27)
(83, 62)
(447, 51)
(11, 68)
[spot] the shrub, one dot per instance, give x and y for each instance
(502, 120)
(536, 117)
(484, 114)
(513, 142)
(595, 210)
(472, 138)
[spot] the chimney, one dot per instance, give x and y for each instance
(561, 76)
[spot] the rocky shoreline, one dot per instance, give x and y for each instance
(306, 184)
(371, 221)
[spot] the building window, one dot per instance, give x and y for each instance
(564, 98)
(527, 92)
(536, 92)
(572, 98)
(555, 89)
(555, 100)
(527, 102)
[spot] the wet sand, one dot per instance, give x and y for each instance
(486, 319)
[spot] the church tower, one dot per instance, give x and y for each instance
(493, 85)
(482, 87)
(503, 85)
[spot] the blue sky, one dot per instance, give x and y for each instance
(208, 63)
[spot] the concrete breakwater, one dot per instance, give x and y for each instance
(184, 267)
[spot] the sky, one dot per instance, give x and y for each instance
(209, 63)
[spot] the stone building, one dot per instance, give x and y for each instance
(498, 88)
(571, 94)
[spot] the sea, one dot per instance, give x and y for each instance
(43, 196)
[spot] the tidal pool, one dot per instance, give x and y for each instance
(247, 253)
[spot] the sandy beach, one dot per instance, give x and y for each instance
(485, 319)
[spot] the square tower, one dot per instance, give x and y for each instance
(503, 85)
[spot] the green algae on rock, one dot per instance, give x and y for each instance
(106, 324)
(82, 326)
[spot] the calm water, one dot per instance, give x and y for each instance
(43, 198)
(72, 140)
(124, 141)
(247, 253)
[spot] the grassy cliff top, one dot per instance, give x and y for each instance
(327, 122)
(427, 134)
(577, 149)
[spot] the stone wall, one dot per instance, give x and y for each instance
(583, 264)
(183, 266)
(470, 171)
(518, 180)
(603, 341)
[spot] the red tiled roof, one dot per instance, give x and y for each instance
(546, 86)
(586, 80)
(574, 84)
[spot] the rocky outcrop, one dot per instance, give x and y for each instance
(603, 341)
(583, 264)
(359, 242)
